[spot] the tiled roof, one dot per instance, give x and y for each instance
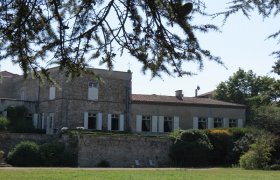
(154, 99)
(7, 74)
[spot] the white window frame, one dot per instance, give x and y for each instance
(146, 118)
(168, 119)
(93, 90)
(232, 121)
(202, 120)
(218, 120)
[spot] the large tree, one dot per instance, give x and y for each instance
(265, 8)
(70, 33)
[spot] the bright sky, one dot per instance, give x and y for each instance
(242, 43)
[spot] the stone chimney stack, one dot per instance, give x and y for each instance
(179, 94)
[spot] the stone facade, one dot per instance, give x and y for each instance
(122, 150)
(109, 105)
(68, 103)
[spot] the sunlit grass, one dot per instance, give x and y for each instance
(123, 174)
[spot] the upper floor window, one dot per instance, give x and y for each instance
(232, 122)
(93, 90)
(218, 122)
(168, 124)
(146, 123)
(52, 93)
(202, 123)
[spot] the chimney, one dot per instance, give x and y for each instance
(179, 94)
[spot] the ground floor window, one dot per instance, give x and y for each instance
(168, 124)
(202, 123)
(92, 121)
(146, 123)
(115, 122)
(232, 122)
(218, 122)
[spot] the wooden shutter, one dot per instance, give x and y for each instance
(226, 122)
(160, 124)
(195, 122)
(86, 120)
(154, 123)
(138, 123)
(43, 120)
(52, 93)
(109, 122)
(99, 121)
(176, 124)
(121, 125)
(210, 123)
(240, 123)
(35, 120)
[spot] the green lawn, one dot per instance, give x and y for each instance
(123, 174)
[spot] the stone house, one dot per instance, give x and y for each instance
(109, 105)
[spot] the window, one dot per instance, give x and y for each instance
(232, 122)
(146, 123)
(115, 122)
(218, 122)
(92, 119)
(29, 117)
(202, 123)
(93, 90)
(52, 93)
(168, 124)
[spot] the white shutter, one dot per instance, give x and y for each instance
(210, 123)
(52, 93)
(138, 123)
(43, 120)
(109, 122)
(195, 122)
(154, 123)
(86, 120)
(121, 125)
(240, 123)
(160, 124)
(35, 120)
(176, 123)
(226, 122)
(99, 121)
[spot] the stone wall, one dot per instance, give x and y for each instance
(9, 140)
(122, 150)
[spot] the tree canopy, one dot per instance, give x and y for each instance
(71, 33)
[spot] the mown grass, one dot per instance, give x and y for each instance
(132, 174)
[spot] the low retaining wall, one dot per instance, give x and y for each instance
(9, 140)
(122, 151)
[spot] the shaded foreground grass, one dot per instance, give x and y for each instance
(123, 174)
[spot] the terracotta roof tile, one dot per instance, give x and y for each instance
(141, 98)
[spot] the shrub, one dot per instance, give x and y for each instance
(275, 167)
(191, 149)
(222, 142)
(4, 122)
(55, 154)
(259, 154)
(25, 154)
(103, 163)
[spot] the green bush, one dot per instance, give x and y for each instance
(25, 154)
(259, 154)
(191, 148)
(222, 142)
(103, 163)
(275, 167)
(55, 154)
(4, 122)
